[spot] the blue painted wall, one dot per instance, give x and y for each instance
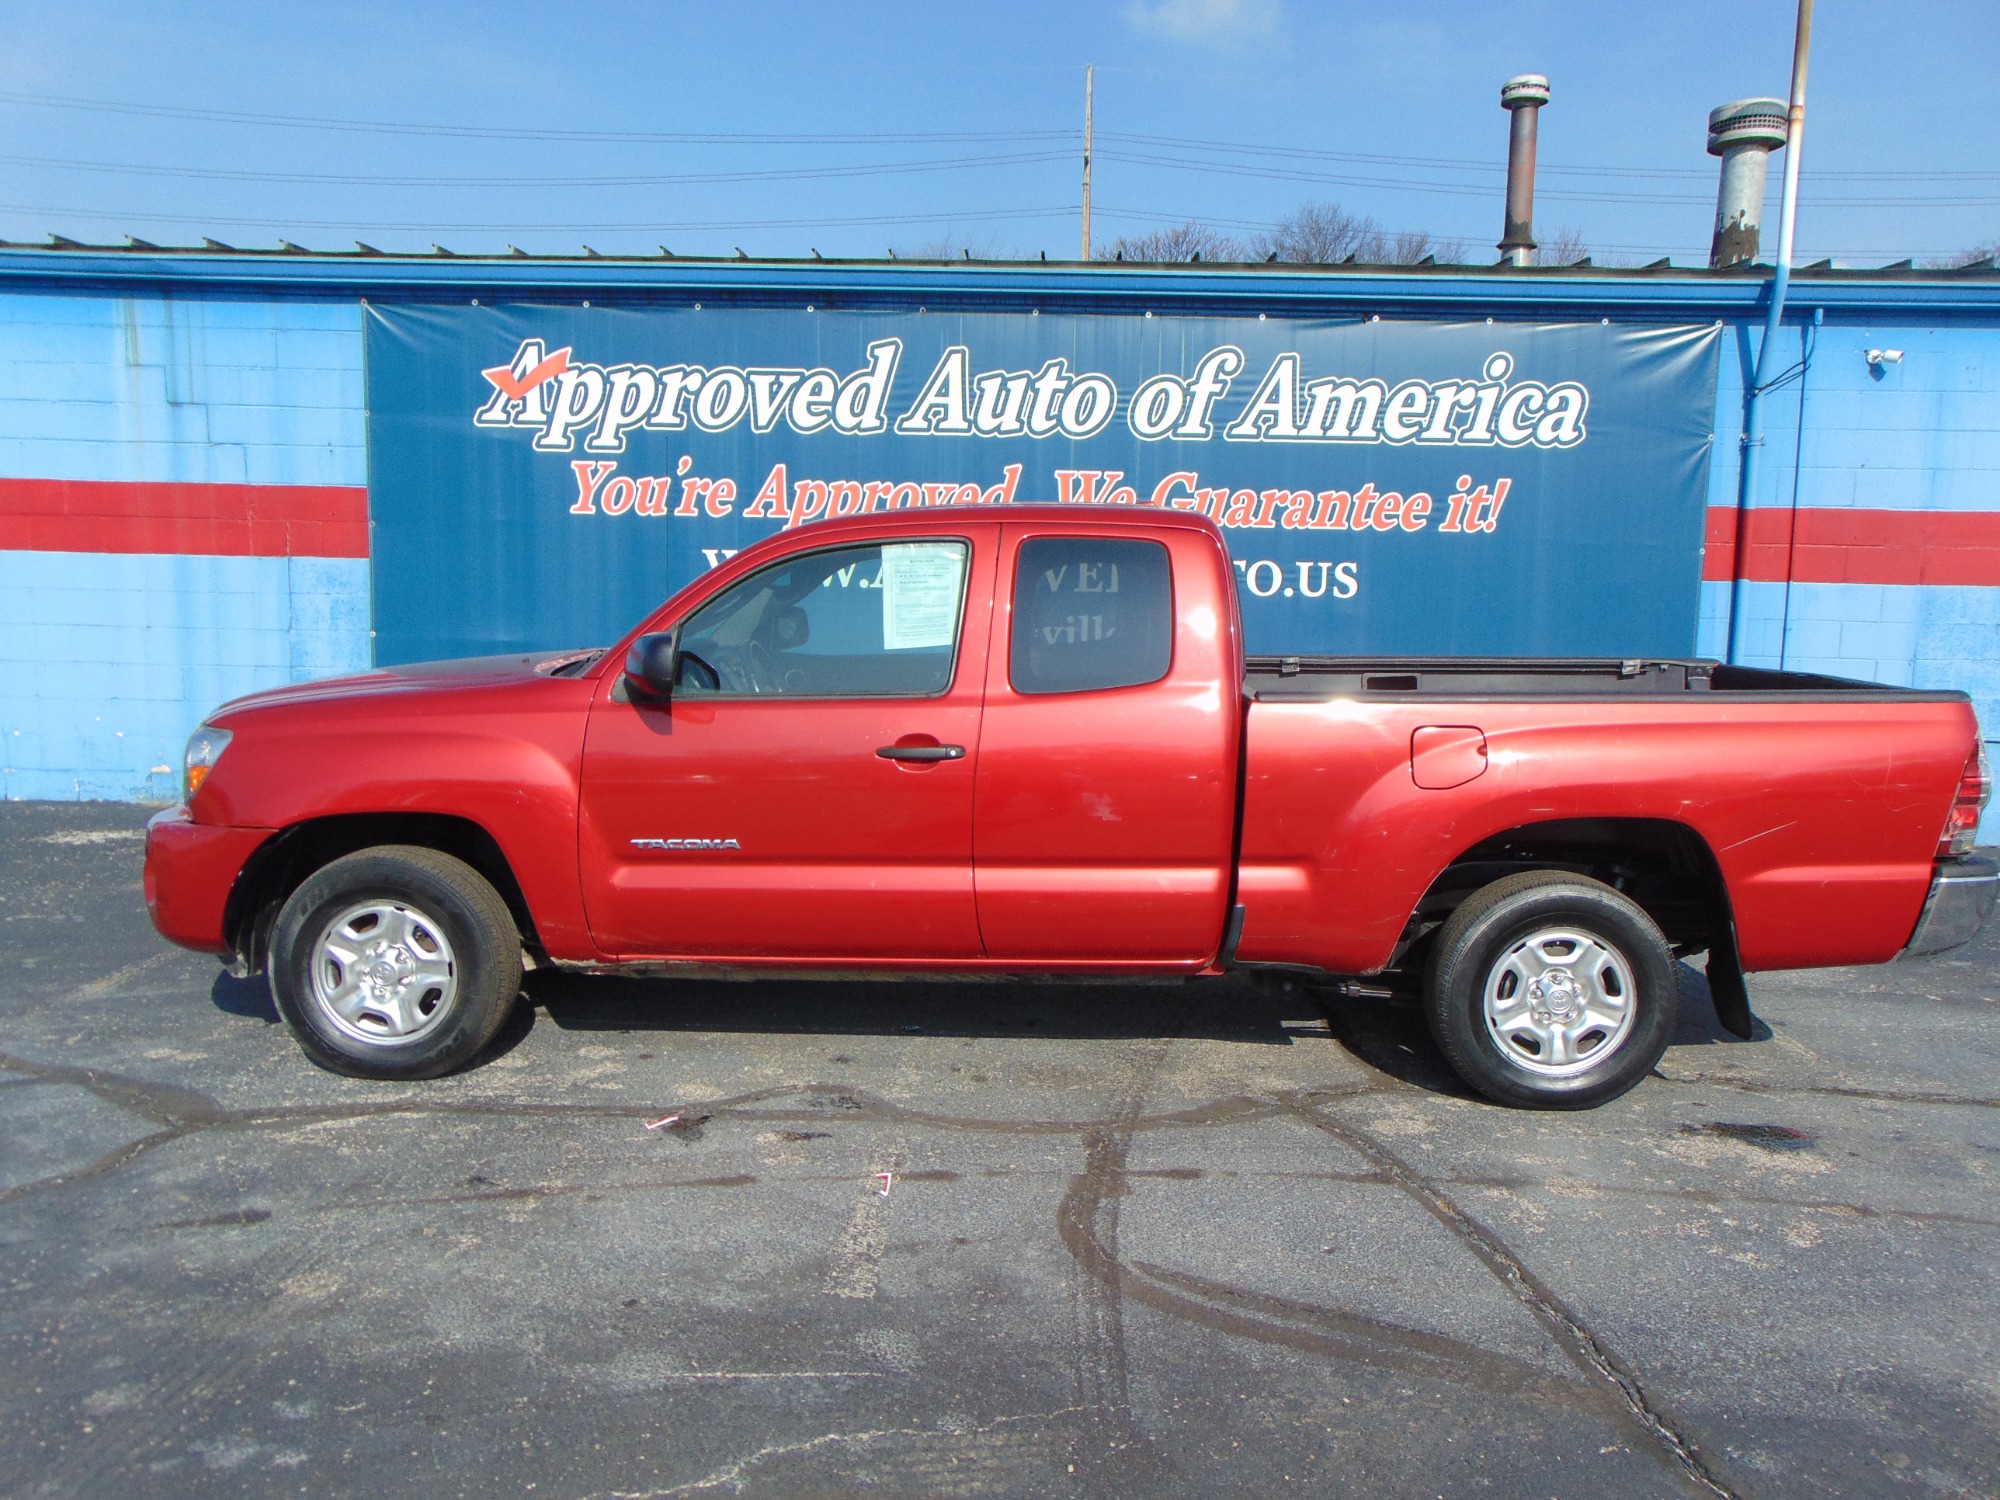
(1922, 435)
(109, 660)
(225, 390)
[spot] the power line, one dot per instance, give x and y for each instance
(1476, 190)
(944, 164)
(512, 226)
(1694, 254)
(824, 138)
(782, 174)
(1448, 163)
(516, 133)
(1498, 168)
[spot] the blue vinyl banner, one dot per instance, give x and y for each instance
(541, 477)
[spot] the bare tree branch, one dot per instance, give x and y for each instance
(1975, 255)
(1562, 247)
(1324, 234)
(1321, 234)
(954, 246)
(1180, 245)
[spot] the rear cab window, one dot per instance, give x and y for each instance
(1090, 613)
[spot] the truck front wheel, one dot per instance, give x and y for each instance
(1548, 990)
(395, 962)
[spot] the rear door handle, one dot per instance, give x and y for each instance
(922, 752)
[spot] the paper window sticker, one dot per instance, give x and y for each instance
(921, 586)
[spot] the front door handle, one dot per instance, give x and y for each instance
(922, 752)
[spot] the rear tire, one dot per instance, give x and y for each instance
(1548, 990)
(395, 962)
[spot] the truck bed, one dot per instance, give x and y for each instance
(1818, 799)
(1310, 679)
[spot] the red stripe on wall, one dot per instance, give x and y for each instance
(230, 520)
(1832, 544)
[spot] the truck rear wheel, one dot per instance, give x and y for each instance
(396, 962)
(1551, 991)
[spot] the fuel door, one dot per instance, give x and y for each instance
(1446, 755)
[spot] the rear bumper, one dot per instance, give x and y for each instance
(1961, 898)
(190, 870)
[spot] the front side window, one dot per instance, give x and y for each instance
(1089, 613)
(879, 621)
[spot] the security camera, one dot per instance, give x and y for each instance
(1879, 357)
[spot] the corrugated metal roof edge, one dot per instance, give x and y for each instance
(1652, 290)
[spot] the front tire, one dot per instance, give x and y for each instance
(395, 962)
(1548, 990)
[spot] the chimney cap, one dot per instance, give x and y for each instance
(1748, 122)
(1523, 90)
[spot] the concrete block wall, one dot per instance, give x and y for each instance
(183, 519)
(1876, 525)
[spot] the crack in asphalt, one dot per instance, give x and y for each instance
(183, 1112)
(733, 1474)
(1102, 1367)
(1831, 1090)
(1305, 1327)
(1615, 1390)
(594, 1189)
(167, 1104)
(1563, 1324)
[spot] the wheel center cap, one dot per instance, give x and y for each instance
(1557, 996)
(386, 969)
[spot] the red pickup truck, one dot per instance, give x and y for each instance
(1027, 740)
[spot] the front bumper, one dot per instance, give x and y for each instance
(1961, 898)
(190, 869)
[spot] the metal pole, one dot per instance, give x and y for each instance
(1089, 81)
(1781, 281)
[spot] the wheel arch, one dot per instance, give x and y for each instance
(1664, 866)
(283, 862)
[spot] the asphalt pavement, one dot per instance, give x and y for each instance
(971, 1238)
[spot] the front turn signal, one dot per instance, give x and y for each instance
(204, 748)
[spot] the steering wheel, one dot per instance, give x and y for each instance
(763, 670)
(732, 670)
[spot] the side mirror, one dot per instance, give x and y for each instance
(650, 666)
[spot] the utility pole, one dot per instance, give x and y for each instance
(1089, 79)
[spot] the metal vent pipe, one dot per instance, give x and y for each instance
(1774, 317)
(1522, 98)
(1744, 135)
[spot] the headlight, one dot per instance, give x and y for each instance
(204, 749)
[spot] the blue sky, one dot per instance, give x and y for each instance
(851, 127)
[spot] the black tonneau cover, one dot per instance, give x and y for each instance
(1306, 679)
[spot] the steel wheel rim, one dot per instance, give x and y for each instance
(383, 973)
(1559, 1001)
